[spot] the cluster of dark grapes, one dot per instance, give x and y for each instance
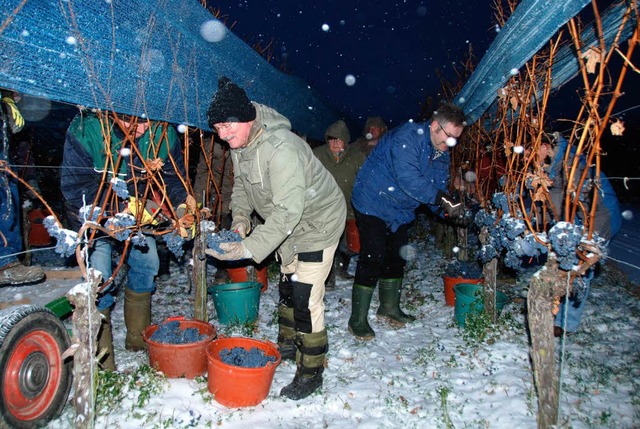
(465, 269)
(500, 201)
(66, 240)
(174, 243)
(238, 356)
(90, 213)
(565, 237)
(172, 333)
(120, 225)
(223, 236)
(119, 186)
(139, 239)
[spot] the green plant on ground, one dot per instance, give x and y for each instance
(113, 388)
(444, 391)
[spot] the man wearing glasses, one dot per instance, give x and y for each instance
(407, 168)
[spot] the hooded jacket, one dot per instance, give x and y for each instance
(403, 171)
(277, 176)
(343, 169)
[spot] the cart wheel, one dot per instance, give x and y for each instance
(34, 381)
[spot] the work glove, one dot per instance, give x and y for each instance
(186, 222)
(232, 251)
(241, 225)
(453, 209)
(149, 209)
(16, 121)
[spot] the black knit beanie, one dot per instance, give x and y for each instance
(230, 104)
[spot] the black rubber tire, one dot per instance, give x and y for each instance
(34, 381)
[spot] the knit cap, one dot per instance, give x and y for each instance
(230, 104)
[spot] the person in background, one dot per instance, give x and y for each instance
(407, 168)
(12, 272)
(89, 140)
(374, 129)
(607, 222)
(343, 162)
(277, 177)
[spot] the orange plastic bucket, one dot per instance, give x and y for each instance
(235, 386)
(180, 360)
(38, 236)
(450, 282)
(249, 273)
(353, 236)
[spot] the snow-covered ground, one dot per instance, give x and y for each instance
(428, 374)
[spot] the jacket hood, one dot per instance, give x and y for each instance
(340, 130)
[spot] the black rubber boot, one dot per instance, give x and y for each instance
(358, 322)
(312, 349)
(286, 332)
(390, 290)
(164, 255)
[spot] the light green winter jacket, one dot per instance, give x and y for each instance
(279, 178)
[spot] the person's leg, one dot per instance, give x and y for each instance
(390, 285)
(310, 272)
(571, 308)
(143, 267)
(12, 272)
(100, 260)
(373, 232)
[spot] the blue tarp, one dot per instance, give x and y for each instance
(146, 58)
(522, 36)
(531, 25)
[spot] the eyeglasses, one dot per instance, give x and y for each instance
(222, 126)
(445, 131)
(451, 140)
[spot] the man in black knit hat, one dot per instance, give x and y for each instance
(278, 177)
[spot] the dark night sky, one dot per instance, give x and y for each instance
(393, 49)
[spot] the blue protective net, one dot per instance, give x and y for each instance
(160, 59)
(532, 24)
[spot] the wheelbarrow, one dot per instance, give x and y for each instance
(34, 379)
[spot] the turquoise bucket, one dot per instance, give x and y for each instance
(469, 300)
(236, 303)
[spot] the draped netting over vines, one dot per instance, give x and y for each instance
(152, 59)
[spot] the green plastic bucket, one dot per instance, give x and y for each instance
(236, 303)
(469, 300)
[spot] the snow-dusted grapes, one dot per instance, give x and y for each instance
(120, 224)
(119, 186)
(174, 243)
(66, 240)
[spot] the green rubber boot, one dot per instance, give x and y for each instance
(105, 342)
(137, 316)
(312, 349)
(358, 322)
(390, 290)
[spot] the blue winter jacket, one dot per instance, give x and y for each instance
(403, 171)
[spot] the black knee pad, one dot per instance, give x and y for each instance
(301, 313)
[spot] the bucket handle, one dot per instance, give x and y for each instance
(174, 318)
